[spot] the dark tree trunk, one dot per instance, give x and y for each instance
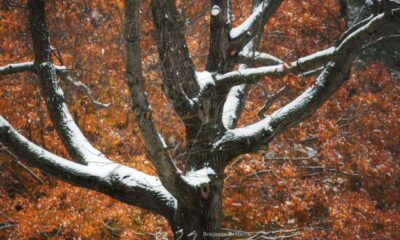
(203, 220)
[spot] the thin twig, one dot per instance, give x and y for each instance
(271, 99)
(19, 163)
(83, 88)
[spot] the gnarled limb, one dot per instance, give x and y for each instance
(120, 182)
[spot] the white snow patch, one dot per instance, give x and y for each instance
(134, 178)
(231, 105)
(264, 71)
(163, 141)
(199, 177)
(252, 129)
(246, 25)
(215, 10)
(245, 132)
(45, 64)
(319, 54)
(204, 78)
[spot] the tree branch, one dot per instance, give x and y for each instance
(271, 99)
(252, 75)
(120, 182)
(73, 139)
(220, 26)
(23, 166)
(251, 137)
(233, 105)
(30, 67)
(169, 174)
(234, 102)
(243, 33)
(83, 88)
(180, 84)
(253, 58)
(17, 68)
(303, 64)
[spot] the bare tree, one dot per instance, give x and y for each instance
(208, 102)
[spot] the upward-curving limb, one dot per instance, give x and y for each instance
(73, 139)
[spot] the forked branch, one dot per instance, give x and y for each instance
(169, 174)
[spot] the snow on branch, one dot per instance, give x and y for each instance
(250, 75)
(118, 181)
(302, 65)
(253, 136)
(256, 57)
(336, 71)
(243, 33)
(234, 102)
(61, 71)
(71, 136)
(17, 68)
(253, 21)
(232, 105)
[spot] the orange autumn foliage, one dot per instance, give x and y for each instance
(334, 176)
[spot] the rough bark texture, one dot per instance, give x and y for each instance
(193, 208)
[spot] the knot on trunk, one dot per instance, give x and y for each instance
(205, 190)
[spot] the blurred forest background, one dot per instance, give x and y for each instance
(335, 176)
